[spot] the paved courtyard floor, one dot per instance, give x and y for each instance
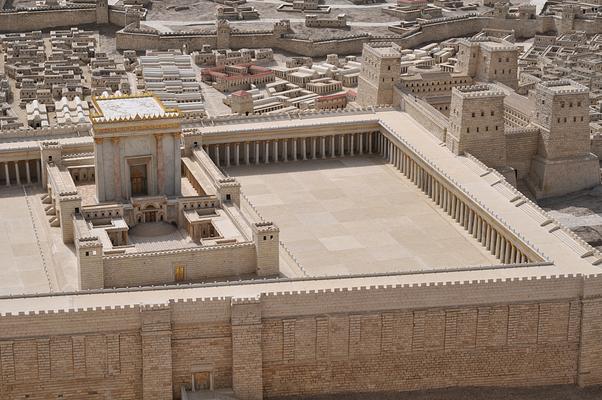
(33, 257)
(356, 215)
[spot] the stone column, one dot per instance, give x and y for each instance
(351, 144)
(7, 174)
(276, 151)
(256, 153)
(247, 153)
(39, 170)
(267, 152)
(247, 361)
(227, 155)
(17, 172)
(27, 172)
(117, 168)
(160, 167)
(342, 145)
(304, 148)
(313, 148)
(360, 138)
(285, 150)
(237, 154)
(370, 142)
(323, 145)
(333, 151)
(294, 149)
(216, 149)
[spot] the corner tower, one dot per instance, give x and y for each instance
(381, 71)
(476, 124)
(564, 162)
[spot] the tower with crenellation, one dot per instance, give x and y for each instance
(476, 124)
(564, 162)
(381, 71)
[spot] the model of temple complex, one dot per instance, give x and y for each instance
(221, 200)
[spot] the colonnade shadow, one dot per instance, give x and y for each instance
(307, 165)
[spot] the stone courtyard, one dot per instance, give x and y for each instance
(34, 258)
(356, 215)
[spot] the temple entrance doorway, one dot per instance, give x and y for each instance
(150, 216)
(138, 180)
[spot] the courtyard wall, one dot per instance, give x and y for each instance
(157, 268)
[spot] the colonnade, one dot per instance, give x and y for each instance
(20, 172)
(480, 228)
(291, 149)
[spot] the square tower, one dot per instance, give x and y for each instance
(564, 162)
(381, 71)
(489, 59)
(476, 123)
(136, 148)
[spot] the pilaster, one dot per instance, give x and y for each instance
(247, 361)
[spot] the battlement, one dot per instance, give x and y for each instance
(383, 49)
(160, 297)
(474, 91)
(562, 87)
(265, 227)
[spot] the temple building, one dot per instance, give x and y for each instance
(142, 220)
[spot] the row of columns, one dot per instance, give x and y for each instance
(495, 242)
(291, 149)
(18, 178)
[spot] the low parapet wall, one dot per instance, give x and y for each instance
(425, 114)
(54, 131)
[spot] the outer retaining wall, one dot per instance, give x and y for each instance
(538, 331)
(21, 20)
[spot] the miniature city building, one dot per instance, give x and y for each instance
(313, 21)
(37, 116)
(237, 77)
(241, 103)
(331, 102)
(73, 111)
(489, 59)
(169, 75)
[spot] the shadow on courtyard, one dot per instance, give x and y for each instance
(318, 164)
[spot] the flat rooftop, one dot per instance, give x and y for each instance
(356, 215)
(128, 107)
